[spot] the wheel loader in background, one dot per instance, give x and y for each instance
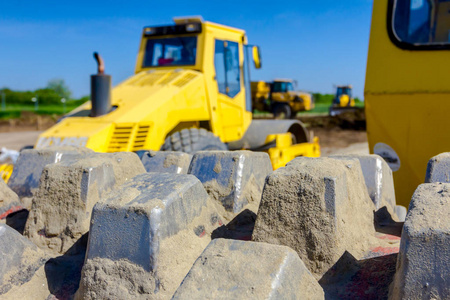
(190, 92)
(280, 98)
(407, 90)
(343, 100)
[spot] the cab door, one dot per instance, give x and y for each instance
(228, 62)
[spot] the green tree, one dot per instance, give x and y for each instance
(60, 87)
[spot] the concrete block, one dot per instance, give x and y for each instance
(125, 165)
(438, 168)
(378, 178)
(19, 259)
(28, 168)
(401, 212)
(145, 236)
(320, 208)
(229, 269)
(9, 201)
(68, 191)
(233, 178)
(166, 161)
(423, 264)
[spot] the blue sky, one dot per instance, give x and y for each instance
(318, 43)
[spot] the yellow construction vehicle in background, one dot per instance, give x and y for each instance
(406, 91)
(343, 100)
(190, 92)
(280, 98)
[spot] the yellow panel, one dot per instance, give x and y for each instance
(414, 126)
(406, 98)
(6, 171)
(394, 70)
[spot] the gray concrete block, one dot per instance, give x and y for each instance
(378, 178)
(155, 225)
(9, 201)
(230, 269)
(320, 208)
(166, 161)
(232, 178)
(68, 190)
(423, 264)
(401, 212)
(125, 165)
(19, 259)
(438, 168)
(28, 168)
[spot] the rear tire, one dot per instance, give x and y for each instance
(282, 111)
(192, 140)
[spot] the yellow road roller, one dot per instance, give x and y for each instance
(190, 92)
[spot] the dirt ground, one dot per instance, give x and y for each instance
(344, 134)
(332, 141)
(341, 141)
(17, 140)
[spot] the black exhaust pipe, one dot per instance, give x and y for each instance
(100, 90)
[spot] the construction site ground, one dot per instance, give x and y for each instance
(338, 135)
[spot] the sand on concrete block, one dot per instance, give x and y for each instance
(9, 201)
(28, 168)
(320, 208)
(20, 259)
(229, 269)
(378, 179)
(234, 179)
(126, 165)
(159, 223)
(68, 191)
(438, 168)
(423, 264)
(107, 279)
(166, 161)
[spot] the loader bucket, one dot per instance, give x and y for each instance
(257, 132)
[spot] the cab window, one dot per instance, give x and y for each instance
(421, 22)
(279, 87)
(290, 86)
(178, 51)
(226, 62)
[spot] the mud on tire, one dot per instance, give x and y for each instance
(192, 140)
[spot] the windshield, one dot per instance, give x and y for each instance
(343, 91)
(290, 86)
(177, 51)
(281, 87)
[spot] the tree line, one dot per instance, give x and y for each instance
(55, 90)
(328, 98)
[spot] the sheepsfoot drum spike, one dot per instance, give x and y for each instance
(100, 90)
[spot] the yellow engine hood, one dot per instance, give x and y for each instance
(165, 98)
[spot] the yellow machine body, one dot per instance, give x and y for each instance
(406, 96)
(6, 171)
(345, 100)
(265, 97)
(160, 100)
(260, 95)
(343, 97)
